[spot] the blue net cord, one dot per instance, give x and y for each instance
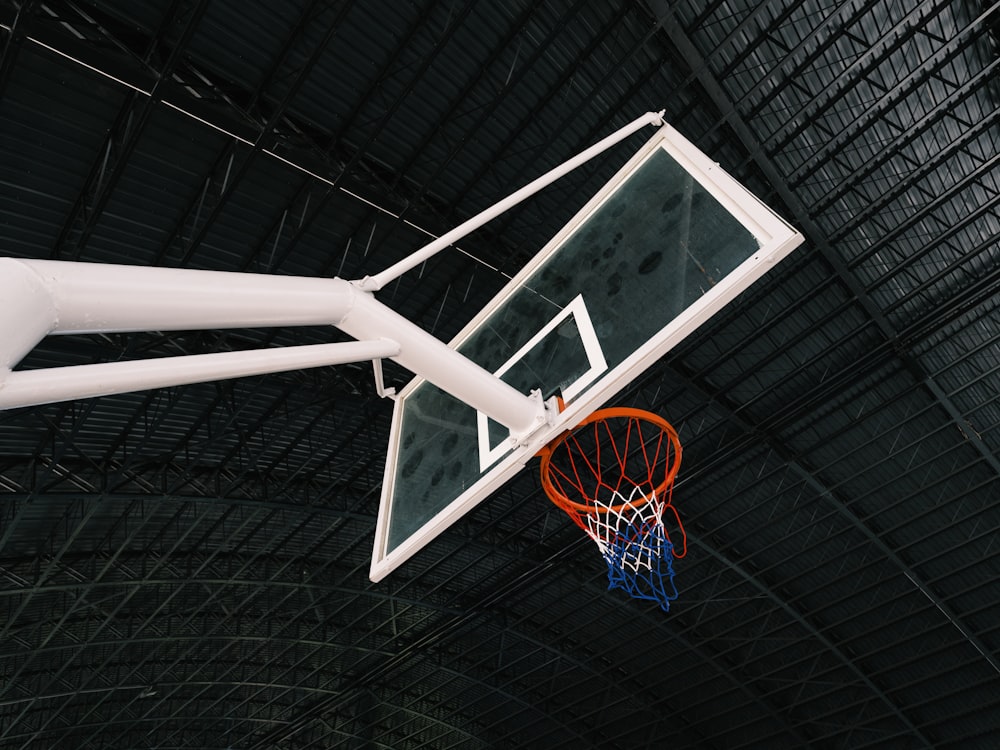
(655, 581)
(634, 544)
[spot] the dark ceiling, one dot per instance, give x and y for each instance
(187, 568)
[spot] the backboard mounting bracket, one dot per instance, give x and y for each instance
(380, 389)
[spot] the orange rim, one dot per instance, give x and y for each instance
(599, 419)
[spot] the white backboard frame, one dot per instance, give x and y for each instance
(776, 239)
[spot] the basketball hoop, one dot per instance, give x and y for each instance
(613, 474)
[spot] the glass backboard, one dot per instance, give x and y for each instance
(664, 245)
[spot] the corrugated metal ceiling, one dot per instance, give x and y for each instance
(187, 568)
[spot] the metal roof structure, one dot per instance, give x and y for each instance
(187, 567)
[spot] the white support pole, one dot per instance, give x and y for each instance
(33, 387)
(51, 297)
(65, 297)
(379, 280)
(104, 297)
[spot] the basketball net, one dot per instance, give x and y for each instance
(620, 465)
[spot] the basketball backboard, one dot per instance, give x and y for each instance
(665, 244)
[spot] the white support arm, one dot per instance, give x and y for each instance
(379, 280)
(104, 297)
(41, 297)
(52, 297)
(33, 387)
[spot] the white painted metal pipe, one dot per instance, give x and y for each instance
(104, 297)
(33, 387)
(379, 280)
(64, 297)
(42, 297)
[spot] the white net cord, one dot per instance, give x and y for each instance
(634, 544)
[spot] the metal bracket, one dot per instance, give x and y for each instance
(380, 388)
(547, 413)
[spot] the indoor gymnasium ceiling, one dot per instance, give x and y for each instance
(188, 567)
